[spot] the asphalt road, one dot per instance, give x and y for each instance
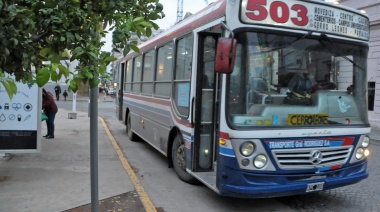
(169, 194)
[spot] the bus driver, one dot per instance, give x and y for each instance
(302, 83)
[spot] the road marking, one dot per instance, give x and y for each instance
(148, 205)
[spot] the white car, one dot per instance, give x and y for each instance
(111, 91)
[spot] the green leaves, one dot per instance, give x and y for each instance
(63, 70)
(9, 85)
(43, 76)
(35, 31)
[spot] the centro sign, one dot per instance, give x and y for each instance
(306, 16)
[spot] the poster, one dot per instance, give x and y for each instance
(20, 119)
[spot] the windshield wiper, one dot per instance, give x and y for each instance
(333, 50)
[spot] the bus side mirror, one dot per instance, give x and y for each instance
(225, 55)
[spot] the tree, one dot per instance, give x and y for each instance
(34, 31)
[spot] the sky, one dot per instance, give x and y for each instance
(170, 10)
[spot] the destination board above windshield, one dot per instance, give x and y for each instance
(306, 16)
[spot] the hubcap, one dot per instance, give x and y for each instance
(181, 157)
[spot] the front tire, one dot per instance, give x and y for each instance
(179, 161)
(131, 135)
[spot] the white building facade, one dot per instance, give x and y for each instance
(372, 8)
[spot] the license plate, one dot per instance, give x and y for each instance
(311, 187)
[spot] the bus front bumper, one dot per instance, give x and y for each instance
(253, 185)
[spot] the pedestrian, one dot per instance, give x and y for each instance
(50, 109)
(57, 90)
(65, 94)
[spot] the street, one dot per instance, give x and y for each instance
(169, 194)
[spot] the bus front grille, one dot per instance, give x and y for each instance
(311, 157)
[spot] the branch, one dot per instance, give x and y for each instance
(36, 38)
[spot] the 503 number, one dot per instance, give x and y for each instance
(258, 12)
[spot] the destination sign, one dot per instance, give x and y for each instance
(307, 119)
(306, 16)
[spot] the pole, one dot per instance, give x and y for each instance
(94, 92)
(75, 102)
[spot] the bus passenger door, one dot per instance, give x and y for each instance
(204, 151)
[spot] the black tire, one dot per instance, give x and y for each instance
(179, 161)
(128, 126)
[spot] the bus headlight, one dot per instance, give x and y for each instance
(247, 149)
(260, 161)
(365, 142)
(359, 153)
(366, 152)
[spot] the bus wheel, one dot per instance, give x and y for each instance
(131, 135)
(179, 161)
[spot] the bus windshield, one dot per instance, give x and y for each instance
(302, 80)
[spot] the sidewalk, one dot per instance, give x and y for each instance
(58, 178)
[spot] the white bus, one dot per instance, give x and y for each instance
(254, 98)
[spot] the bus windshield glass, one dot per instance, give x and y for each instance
(302, 80)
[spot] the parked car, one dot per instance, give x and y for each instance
(111, 91)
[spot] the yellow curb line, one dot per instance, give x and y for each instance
(148, 205)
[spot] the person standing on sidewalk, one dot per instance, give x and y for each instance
(65, 94)
(50, 108)
(57, 90)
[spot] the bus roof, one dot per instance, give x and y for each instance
(212, 12)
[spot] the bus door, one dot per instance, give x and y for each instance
(204, 132)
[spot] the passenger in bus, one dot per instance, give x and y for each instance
(302, 83)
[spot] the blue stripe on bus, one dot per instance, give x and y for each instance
(336, 143)
(188, 137)
(226, 151)
(324, 169)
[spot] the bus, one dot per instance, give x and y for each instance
(228, 97)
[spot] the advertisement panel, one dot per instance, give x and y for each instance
(20, 120)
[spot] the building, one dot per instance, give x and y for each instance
(372, 8)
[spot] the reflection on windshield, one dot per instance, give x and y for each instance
(296, 81)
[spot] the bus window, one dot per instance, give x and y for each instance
(263, 90)
(164, 70)
(136, 76)
(147, 84)
(184, 56)
(128, 77)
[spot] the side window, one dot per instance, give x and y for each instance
(164, 70)
(181, 92)
(136, 76)
(147, 86)
(128, 77)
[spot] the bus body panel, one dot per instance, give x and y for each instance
(150, 120)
